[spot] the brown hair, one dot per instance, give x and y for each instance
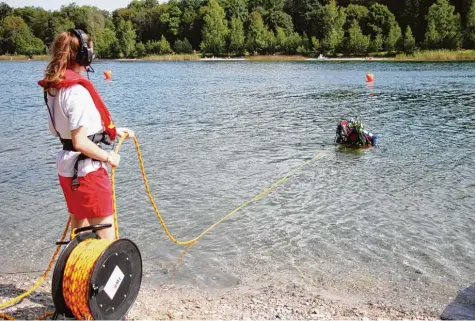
(63, 53)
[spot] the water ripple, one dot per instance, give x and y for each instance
(215, 135)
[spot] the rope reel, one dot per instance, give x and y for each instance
(94, 278)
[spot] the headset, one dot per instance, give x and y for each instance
(85, 54)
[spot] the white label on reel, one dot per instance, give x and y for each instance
(114, 282)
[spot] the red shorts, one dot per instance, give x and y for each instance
(93, 197)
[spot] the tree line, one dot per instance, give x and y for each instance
(239, 27)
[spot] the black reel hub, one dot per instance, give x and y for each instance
(115, 281)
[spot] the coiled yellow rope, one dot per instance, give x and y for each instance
(157, 212)
(77, 275)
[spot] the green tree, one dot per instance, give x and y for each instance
(305, 47)
(432, 37)
(172, 18)
(281, 40)
(35, 47)
(183, 46)
(126, 38)
(303, 13)
(411, 15)
(330, 23)
(78, 15)
(105, 45)
(393, 37)
(164, 46)
(468, 36)
(269, 42)
(315, 46)
(280, 19)
(96, 22)
(237, 36)
(214, 29)
(152, 47)
(376, 43)
(148, 4)
(357, 42)
(55, 25)
(148, 25)
(126, 14)
(137, 5)
(256, 33)
(35, 18)
(17, 37)
(408, 41)
(443, 29)
(355, 12)
(141, 50)
(382, 21)
(5, 10)
(235, 8)
(293, 42)
(192, 21)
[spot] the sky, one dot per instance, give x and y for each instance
(109, 5)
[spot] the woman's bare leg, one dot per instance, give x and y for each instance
(108, 233)
(77, 223)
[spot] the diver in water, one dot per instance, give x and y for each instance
(351, 133)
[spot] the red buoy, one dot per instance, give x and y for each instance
(107, 74)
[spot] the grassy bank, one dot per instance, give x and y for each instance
(172, 57)
(437, 55)
(20, 57)
(277, 58)
(427, 55)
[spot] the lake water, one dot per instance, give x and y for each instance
(397, 219)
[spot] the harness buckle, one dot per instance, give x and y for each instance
(75, 182)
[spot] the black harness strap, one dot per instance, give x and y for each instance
(97, 138)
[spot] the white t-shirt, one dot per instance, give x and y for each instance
(71, 108)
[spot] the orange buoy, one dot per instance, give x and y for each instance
(107, 74)
(370, 77)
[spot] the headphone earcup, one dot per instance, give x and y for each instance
(89, 56)
(85, 55)
(80, 55)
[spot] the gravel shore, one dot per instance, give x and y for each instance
(288, 300)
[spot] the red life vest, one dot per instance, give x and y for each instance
(74, 78)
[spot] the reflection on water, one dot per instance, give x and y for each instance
(399, 217)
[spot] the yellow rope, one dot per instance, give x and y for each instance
(41, 317)
(77, 275)
(156, 209)
(46, 315)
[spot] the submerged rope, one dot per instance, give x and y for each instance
(156, 208)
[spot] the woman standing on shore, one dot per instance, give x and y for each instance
(79, 117)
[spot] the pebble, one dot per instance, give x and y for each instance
(170, 301)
